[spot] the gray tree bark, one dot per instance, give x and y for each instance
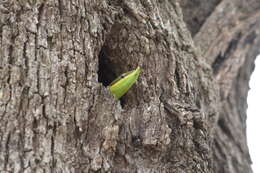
(228, 34)
(186, 113)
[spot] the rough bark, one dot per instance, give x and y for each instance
(57, 58)
(229, 37)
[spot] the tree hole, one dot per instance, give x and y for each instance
(107, 70)
(106, 73)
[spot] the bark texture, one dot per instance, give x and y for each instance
(229, 38)
(185, 114)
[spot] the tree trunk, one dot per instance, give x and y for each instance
(228, 33)
(186, 113)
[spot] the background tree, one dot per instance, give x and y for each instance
(228, 34)
(186, 114)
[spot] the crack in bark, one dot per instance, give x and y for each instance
(26, 64)
(222, 57)
(53, 162)
(7, 151)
